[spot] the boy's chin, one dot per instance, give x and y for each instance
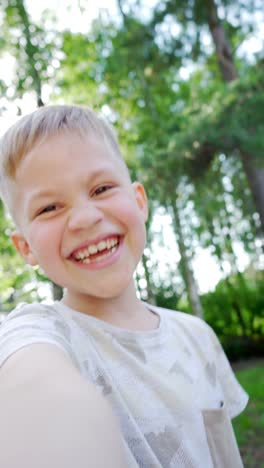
(100, 293)
(108, 293)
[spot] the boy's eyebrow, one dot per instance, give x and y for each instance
(37, 194)
(41, 194)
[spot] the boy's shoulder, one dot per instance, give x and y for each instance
(194, 328)
(35, 309)
(183, 318)
(36, 319)
(29, 324)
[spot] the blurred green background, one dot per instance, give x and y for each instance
(182, 82)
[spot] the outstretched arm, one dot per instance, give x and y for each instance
(51, 417)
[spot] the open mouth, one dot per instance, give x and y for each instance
(97, 252)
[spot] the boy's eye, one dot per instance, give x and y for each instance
(102, 189)
(48, 209)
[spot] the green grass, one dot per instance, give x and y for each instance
(249, 425)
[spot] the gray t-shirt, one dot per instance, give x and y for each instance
(172, 388)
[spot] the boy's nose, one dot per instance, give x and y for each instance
(84, 216)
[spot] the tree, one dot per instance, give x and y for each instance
(33, 48)
(206, 13)
(33, 53)
(139, 66)
(171, 130)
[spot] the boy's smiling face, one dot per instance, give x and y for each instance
(80, 218)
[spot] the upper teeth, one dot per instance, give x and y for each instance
(94, 248)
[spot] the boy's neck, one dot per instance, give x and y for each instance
(125, 311)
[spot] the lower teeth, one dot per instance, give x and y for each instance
(99, 257)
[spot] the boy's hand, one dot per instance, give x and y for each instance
(51, 417)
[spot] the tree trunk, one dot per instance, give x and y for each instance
(37, 85)
(151, 296)
(255, 176)
(57, 292)
(222, 46)
(30, 49)
(227, 67)
(190, 283)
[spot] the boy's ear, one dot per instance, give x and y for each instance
(23, 248)
(141, 198)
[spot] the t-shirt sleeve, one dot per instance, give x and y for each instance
(34, 323)
(235, 396)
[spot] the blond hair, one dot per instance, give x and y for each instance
(45, 122)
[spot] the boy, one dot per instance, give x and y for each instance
(163, 373)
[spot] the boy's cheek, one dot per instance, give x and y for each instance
(129, 210)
